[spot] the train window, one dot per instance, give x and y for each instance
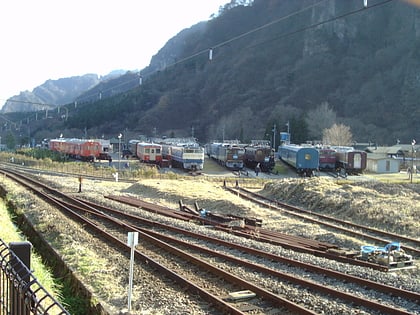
(153, 151)
(157, 151)
(146, 150)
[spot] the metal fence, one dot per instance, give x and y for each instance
(20, 291)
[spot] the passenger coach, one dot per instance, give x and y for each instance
(82, 149)
(149, 152)
(305, 160)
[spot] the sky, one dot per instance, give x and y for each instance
(52, 39)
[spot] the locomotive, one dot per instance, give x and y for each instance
(185, 154)
(327, 159)
(228, 154)
(259, 152)
(305, 160)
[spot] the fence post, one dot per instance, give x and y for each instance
(21, 250)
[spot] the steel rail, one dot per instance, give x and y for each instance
(287, 208)
(289, 278)
(155, 238)
(221, 304)
(256, 252)
(299, 244)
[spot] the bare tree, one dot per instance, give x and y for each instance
(319, 119)
(337, 135)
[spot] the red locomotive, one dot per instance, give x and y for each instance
(327, 159)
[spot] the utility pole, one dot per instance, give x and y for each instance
(413, 143)
(274, 136)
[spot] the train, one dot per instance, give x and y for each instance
(184, 154)
(327, 159)
(259, 152)
(149, 152)
(349, 160)
(305, 160)
(81, 149)
(229, 154)
(132, 147)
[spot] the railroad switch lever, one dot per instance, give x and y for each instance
(80, 183)
(185, 208)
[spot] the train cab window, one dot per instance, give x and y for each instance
(158, 151)
(147, 150)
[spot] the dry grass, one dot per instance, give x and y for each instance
(392, 207)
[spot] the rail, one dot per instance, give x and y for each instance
(20, 291)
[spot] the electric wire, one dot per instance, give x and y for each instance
(226, 42)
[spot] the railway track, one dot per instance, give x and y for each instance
(361, 231)
(295, 243)
(171, 230)
(117, 223)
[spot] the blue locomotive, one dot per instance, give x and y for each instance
(305, 160)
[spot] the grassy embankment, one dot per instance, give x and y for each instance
(9, 233)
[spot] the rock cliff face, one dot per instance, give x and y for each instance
(51, 94)
(364, 62)
(54, 93)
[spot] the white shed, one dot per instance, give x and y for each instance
(381, 164)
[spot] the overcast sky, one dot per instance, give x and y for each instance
(52, 39)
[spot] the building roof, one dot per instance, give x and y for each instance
(378, 156)
(409, 147)
(394, 150)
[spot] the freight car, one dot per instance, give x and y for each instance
(327, 159)
(149, 152)
(350, 161)
(228, 154)
(305, 160)
(259, 152)
(81, 149)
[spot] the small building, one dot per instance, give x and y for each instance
(394, 151)
(382, 164)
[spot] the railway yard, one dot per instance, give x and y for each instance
(217, 244)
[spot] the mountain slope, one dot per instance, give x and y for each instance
(58, 92)
(362, 62)
(274, 62)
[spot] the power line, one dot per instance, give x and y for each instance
(322, 23)
(235, 38)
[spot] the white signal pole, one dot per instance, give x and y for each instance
(132, 241)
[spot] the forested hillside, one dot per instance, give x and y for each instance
(273, 62)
